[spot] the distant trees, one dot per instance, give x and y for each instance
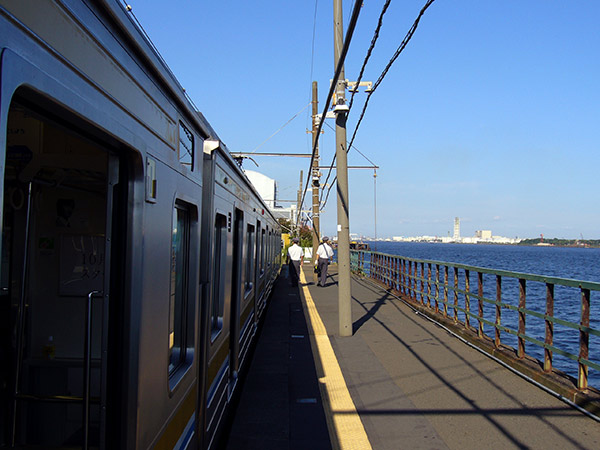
(304, 233)
(562, 242)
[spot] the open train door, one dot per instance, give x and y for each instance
(58, 220)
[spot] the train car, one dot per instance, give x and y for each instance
(136, 257)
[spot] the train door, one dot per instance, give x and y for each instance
(257, 272)
(56, 253)
(236, 293)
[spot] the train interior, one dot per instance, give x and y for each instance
(57, 197)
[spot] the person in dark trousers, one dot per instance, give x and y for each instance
(295, 260)
(325, 254)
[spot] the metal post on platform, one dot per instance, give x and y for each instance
(343, 205)
(315, 178)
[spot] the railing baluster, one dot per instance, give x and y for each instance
(429, 285)
(522, 316)
(584, 339)
(549, 327)
(480, 302)
(385, 270)
(404, 291)
(423, 298)
(467, 298)
(437, 288)
(410, 280)
(455, 294)
(398, 274)
(497, 340)
(445, 291)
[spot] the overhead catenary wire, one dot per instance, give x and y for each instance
(280, 128)
(330, 170)
(129, 9)
(312, 63)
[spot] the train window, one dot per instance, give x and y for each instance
(270, 253)
(262, 253)
(250, 244)
(179, 335)
(186, 146)
(220, 265)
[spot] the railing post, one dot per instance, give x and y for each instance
(522, 316)
(374, 260)
(467, 298)
(403, 276)
(410, 280)
(480, 303)
(549, 327)
(584, 339)
(373, 265)
(429, 285)
(455, 294)
(423, 283)
(397, 274)
(445, 291)
(497, 340)
(437, 288)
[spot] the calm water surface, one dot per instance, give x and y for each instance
(574, 263)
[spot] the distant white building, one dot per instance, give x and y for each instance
(267, 189)
(483, 234)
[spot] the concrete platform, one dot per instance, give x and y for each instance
(412, 384)
(280, 406)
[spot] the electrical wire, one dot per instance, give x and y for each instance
(312, 64)
(129, 9)
(399, 50)
(312, 58)
(360, 75)
(370, 50)
(333, 162)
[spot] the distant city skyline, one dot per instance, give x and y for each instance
(491, 113)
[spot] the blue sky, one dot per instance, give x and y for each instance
(491, 114)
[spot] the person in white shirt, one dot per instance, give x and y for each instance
(325, 254)
(295, 260)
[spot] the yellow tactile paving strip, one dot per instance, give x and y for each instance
(345, 428)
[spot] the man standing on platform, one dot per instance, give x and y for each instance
(325, 254)
(295, 260)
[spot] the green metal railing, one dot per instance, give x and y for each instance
(447, 289)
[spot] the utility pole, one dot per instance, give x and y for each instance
(298, 211)
(343, 205)
(315, 178)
